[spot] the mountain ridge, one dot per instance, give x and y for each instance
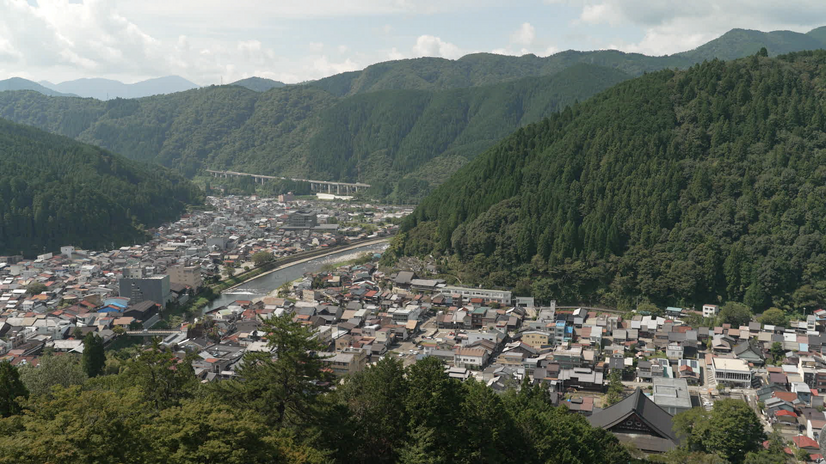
(372, 137)
(57, 191)
(681, 187)
(107, 89)
(18, 83)
(259, 84)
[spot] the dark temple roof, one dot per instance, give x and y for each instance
(654, 416)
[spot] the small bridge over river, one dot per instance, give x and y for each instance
(315, 185)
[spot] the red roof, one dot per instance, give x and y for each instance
(783, 412)
(802, 441)
(785, 396)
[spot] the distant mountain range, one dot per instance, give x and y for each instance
(107, 89)
(18, 83)
(469, 71)
(402, 126)
(486, 68)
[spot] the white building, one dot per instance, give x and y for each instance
(500, 296)
(470, 357)
(710, 310)
(733, 372)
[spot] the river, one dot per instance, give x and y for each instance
(263, 285)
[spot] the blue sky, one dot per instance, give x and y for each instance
(289, 40)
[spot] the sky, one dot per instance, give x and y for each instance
(214, 41)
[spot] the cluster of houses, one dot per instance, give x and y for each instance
(51, 301)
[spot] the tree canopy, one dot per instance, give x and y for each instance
(149, 407)
(55, 191)
(731, 430)
(691, 186)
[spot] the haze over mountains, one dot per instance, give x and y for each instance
(412, 138)
(107, 89)
(404, 126)
(18, 83)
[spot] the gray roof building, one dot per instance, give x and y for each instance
(639, 420)
(672, 395)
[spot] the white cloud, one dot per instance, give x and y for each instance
(325, 67)
(343, 49)
(524, 41)
(525, 35)
(63, 40)
(254, 13)
(428, 45)
(671, 26)
(395, 54)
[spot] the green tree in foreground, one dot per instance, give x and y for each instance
(94, 357)
(283, 385)
(731, 430)
(64, 370)
(162, 378)
(375, 399)
(11, 388)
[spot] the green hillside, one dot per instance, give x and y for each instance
(738, 43)
(419, 137)
(486, 68)
(480, 69)
(682, 187)
(55, 191)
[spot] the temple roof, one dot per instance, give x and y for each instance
(655, 417)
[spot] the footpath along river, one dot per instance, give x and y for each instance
(261, 286)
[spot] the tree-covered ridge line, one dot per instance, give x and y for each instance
(55, 191)
(681, 187)
(480, 69)
(403, 142)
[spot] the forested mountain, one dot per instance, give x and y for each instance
(381, 137)
(738, 43)
(403, 126)
(107, 89)
(259, 84)
(682, 187)
(486, 68)
(18, 83)
(55, 191)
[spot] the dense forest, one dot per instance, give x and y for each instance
(146, 406)
(403, 126)
(685, 187)
(485, 68)
(55, 191)
(410, 139)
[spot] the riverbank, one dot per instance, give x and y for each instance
(299, 258)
